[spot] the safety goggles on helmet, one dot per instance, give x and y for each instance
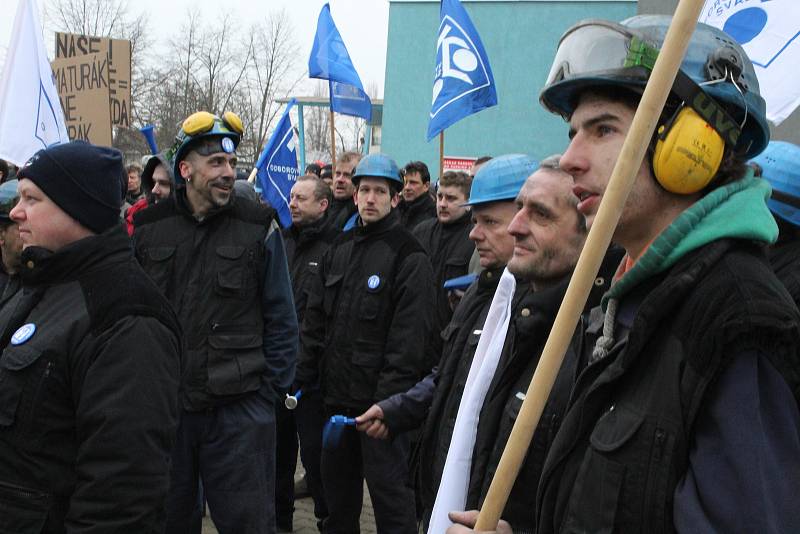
(206, 133)
(203, 121)
(599, 47)
(716, 78)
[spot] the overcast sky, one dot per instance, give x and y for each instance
(362, 23)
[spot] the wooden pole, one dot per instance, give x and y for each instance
(441, 154)
(622, 178)
(333, 143)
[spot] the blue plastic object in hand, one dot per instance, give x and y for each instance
(332, 432)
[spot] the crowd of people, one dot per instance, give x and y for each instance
(168, 348)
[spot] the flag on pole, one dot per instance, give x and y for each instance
(463, 83)
(329, 60)
(769, 32)
(31, 117)
(277, 167)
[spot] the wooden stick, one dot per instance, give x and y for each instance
(252, 177)
(441, 154)
(333, 143)
(630, 159)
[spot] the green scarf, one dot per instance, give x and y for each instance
(737, 210)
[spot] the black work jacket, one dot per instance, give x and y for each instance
(305, 246)
(418, 210)
(368, 318)
(460, 339)
(623, 444)
(89, 397)
(785, 260)
(212, 271)
(339, 212)
(450, 250)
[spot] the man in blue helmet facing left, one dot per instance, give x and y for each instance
(684, 415)
(363, 337)
(220, 261)
(779, 165)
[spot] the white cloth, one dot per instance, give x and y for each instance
(452, 494)
(31, 117)
(769, 32)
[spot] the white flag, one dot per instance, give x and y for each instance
(452, 494)
(769, 32)
(31, 117)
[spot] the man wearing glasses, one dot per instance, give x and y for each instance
(222, 265)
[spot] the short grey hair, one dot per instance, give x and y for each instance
(551, 162)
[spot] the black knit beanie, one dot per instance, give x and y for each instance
(88, 182)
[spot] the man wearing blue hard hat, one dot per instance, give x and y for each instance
(684, 416)
(10, 243)
(779, 165)
(219, 259)
(363, 339)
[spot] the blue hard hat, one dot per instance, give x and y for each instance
(780, 166)
(8, 199)
(377, 166)
(597, 53)
(501, 178)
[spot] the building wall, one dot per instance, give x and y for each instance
(520, 37)
(789, 130)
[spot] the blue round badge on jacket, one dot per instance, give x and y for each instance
(373, 281)
(23, 334)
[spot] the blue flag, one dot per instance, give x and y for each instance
(350, 100)
(463, 83)
(277, 167)
(329, 60)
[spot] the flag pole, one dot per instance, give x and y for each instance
(441, 154)
(622, 178)
(333, 141)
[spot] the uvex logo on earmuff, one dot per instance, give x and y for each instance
(717, 117)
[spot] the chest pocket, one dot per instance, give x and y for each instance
(22, 370)
(374, 291)
(596, 494)
(235, 276)
(24, 510)
(332, 283)
(160, 265)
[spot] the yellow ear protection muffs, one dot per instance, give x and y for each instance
(688, 153)
(690, 145)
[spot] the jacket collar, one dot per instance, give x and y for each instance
(387, 223)
(185, 209)
(42, 266)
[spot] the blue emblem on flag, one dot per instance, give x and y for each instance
(463, 82)
(374, 281)
(47, 130)
(277, 167)
(23, 334)
(747, 25)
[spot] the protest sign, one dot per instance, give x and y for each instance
(82, 85)
(118, 54)
(452, 163)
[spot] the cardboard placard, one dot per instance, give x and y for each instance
(118, 53)
(82, 85)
